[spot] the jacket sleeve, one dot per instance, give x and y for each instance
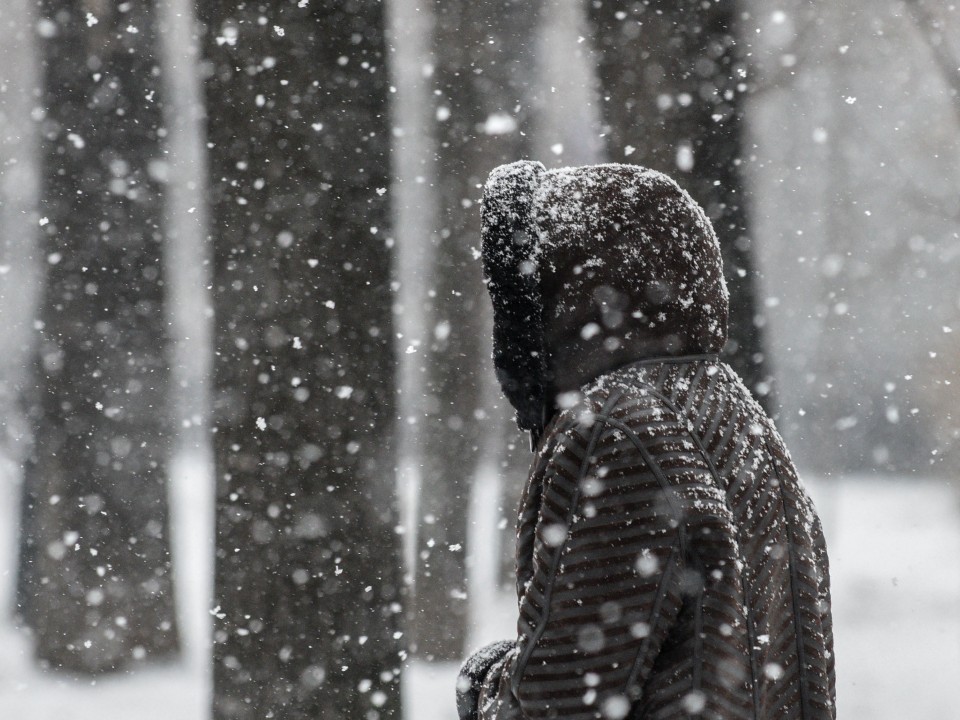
(606, 585)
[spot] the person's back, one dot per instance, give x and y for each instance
(669, 562)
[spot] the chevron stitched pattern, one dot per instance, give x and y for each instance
(670, 564)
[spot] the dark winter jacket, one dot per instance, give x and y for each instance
(669, 562)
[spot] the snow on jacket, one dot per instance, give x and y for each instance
(669, 562)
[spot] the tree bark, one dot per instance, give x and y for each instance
(308, 566)
(484, 74)
(95, 582)
(672, 85)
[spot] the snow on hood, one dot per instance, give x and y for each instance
(592, 268)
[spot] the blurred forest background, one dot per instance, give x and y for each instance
(255, 462)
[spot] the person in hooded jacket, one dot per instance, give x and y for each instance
(669, 562)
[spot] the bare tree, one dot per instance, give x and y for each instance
(95, 582)
(308, 568)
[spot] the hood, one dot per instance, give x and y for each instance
(592, 268)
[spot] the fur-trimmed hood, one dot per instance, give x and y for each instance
(592, 268)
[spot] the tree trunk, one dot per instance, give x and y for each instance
(484, 73)
(20, 269)
(19, 290)
(95, 581)
(672, 85)
(308, 564)
(189, 314)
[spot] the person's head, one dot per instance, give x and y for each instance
(589, 269)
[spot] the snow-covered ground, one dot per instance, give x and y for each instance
(895, 554)
(895, 562)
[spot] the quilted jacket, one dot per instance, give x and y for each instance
(669, 561)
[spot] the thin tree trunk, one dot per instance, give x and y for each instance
(20, 270)
(187, 257)
(308, 563)
(414, 208)
(189, 311)
(95, 580)
(484, 75)
(567, 129)
(672, 84)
